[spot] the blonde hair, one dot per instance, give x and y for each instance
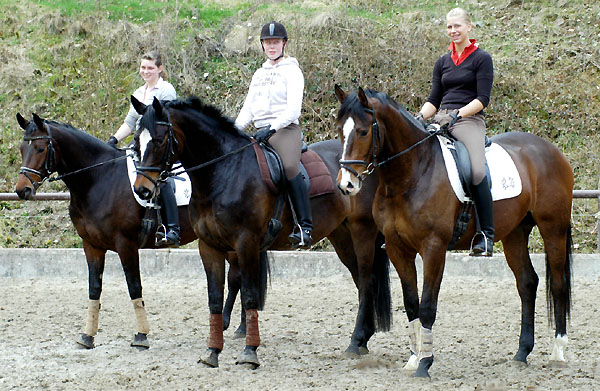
(461, 13)
(157, 59)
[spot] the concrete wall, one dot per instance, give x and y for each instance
(33, 263)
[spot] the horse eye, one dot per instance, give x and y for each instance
(41, 150)
(363, 132)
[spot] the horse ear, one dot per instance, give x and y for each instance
(340, 94)
(158, 108)
(137, 105)
(39, 122)
(362, 97)
(23, 123)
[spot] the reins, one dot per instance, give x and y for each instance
(213, 161)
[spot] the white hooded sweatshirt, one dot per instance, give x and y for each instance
(274, 97)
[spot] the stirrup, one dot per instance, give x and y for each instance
(486, 251)
(304, 240)
(162, 240)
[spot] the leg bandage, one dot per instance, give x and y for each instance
(414, 332)
(425, 343)
(140, 316)
(252, 333)
(560, 344)
(91, 326)
(215, 336)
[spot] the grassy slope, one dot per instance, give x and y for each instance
(76, 61)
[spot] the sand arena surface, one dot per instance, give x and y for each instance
(305, 329)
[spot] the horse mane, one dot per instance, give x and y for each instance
(193, 103)
(352, 104)
(85, 137)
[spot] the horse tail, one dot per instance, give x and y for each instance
(567, 280)
(380, 281)
(264, 279)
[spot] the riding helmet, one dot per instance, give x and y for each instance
(273, 30)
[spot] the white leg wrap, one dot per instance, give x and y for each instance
(91, 326)
(140, 316)
(414, 333)
(558, 352)
(426, 343)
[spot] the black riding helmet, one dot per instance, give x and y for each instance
(273, 30)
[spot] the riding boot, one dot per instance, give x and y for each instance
(483, 241)
(171, 215)
(299, 196)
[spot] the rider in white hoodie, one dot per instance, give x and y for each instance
(273, 105)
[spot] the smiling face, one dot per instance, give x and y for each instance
(149, 71)
(458, 30)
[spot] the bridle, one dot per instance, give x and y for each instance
(370, 166)
(166, 160)
(373, 164)
(49, 163)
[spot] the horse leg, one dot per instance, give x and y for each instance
(214, 267)
(130, 261)
(234, 283)
(250, 269)
(95, 260)
(433, 269)
(342, 243)
(557, 242)
(404, 263)
(517, 257)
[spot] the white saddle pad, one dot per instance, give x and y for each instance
(506, 182)
(183, 186)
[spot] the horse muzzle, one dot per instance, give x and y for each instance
(143, 192)
(348, 183)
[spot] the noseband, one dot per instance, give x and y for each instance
(49, 163)
(370, 166)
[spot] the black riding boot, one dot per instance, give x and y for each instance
(299, 196)
(171, 216)
(483, 241)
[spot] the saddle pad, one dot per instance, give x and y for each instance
(506, 182)
(183, 186)
(320, 179)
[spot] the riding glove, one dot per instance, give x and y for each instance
(420, 119)
(448, 119)
(112, 141)
(263, 134)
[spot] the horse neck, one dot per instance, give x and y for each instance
(75, 153)
(400, 135)
(204, 143)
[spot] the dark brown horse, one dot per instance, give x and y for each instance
(231, 207)
(103, 209)
(416, 210)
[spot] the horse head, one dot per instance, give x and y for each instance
(38, 156)
(157, 145)
(361, 137)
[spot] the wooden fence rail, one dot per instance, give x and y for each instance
(66, 196)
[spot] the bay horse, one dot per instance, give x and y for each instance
(416, 210)
(102, 209)
(231, 207)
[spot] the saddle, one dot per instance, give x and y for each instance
(316, 175)
(316, 178)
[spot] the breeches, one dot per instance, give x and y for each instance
(288, 144)
(471, 132)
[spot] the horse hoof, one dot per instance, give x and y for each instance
(239, 333)
(423, 369)
(519, 363)
(210, 358)
(521, 359)
(249, 358)
(412, 364)
(363, 350)
(352, 352)
(140, 340)
(87, 341)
